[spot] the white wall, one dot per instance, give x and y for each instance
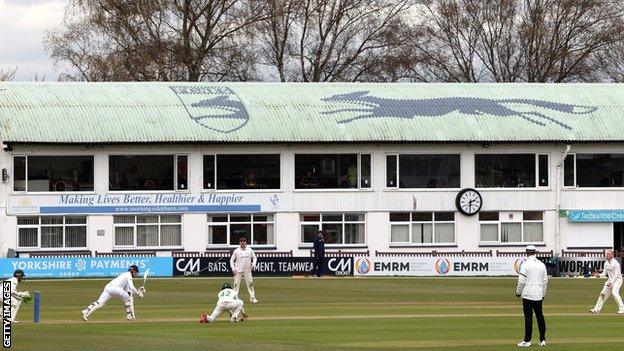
(588, 235)
(376, 202)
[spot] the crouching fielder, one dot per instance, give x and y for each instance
(17, 297)
(228, 301)
(120, 287)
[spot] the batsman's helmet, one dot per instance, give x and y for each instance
(134, 267)
(226, 286)
(18, 273)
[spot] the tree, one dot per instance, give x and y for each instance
(613, 62)
(512, 40)
(275, 36)
(7, 74)
(167, 40)
(329, 40)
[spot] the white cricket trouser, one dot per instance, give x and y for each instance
(248, 282)
(235, 306)
(113, 291)
(15, 305)
(608, 291)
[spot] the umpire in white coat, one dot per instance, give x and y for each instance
(532, 283)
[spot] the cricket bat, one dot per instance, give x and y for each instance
(145, 274)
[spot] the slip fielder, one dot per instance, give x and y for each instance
(228, 301)
(120, 287)
(243, 261)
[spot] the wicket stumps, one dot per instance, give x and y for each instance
(37, 306)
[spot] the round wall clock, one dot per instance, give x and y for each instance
(468, 201)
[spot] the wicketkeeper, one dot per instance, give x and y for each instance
(17, 297)
(120, 287)
(228, 301)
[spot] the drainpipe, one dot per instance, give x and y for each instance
(558, 204)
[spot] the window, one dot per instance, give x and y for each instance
(543, 170)
(511, 170)
(148, 230)
(365, 171)
(242, 171)
(227, 229)
(141, 172)
(569, 171)
(594, 170)
(391, 171)
(422, 228)
(422, 171)
(53, 173)
(182, 172)
(332, 171)
(51, 232)
(210, 172)
(339, 228)
(511, 227)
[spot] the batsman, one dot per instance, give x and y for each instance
(17, 297)
(122, 288)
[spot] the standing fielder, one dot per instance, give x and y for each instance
(243, 261)
(532, 284)
(228, 301)
(319, 253)
(613, 284)
(121, 287)
(17, 297)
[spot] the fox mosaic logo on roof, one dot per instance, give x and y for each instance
(214, 107)
(365, 106)
(442, 266)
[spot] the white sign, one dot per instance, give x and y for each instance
(147, 203)
(437, 266)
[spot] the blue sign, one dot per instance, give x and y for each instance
(85, 267)
(588, 216)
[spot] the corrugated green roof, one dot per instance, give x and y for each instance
(309, 112)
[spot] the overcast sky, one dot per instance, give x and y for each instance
(23, 24)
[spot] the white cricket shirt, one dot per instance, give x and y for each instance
(226, 296)
(612, 270)
(14, 283)
(124, 281)
(243, 260)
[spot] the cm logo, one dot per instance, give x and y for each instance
(188, 265)
(340, 266)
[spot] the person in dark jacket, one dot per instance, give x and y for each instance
(319, 253)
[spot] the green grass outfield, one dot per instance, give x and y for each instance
(320, 314)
